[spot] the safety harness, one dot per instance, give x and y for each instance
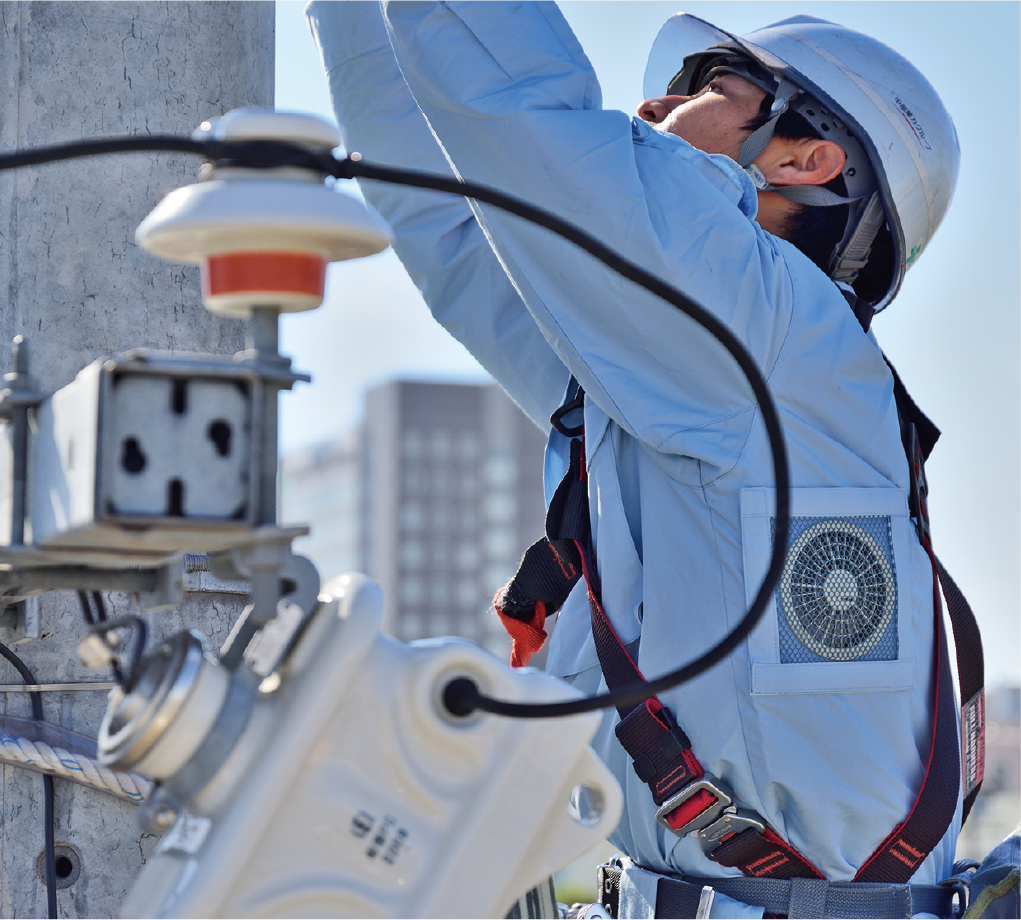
(692, 801)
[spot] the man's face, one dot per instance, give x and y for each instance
(714, 120)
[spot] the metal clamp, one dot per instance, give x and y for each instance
(711, 784)
(592, 912)
(733, 821)
(705, 903)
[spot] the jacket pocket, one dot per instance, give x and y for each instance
(836, 621)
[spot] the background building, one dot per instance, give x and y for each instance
(435, 496)
(324, 487)
(997, 810)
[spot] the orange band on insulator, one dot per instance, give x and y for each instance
(280, 272)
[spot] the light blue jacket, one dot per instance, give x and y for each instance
(831, 753)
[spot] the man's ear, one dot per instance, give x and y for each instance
(805, 161)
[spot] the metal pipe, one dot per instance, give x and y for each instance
(78, 578)
(59, 688)
(264, 343)
(18, 380)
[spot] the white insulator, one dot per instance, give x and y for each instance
(263, 235)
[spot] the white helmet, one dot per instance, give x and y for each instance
(889, 110)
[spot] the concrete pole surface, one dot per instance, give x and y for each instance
(76, 286)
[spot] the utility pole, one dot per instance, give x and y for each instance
(76, 286)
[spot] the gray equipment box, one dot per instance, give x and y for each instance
(146, 454)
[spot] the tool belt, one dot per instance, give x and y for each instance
(796, 897)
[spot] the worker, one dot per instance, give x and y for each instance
(786, 181)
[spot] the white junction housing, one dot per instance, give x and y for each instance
(353, 792)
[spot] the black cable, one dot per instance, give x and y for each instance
(463, 695)
(29, 678)
(51, 846)
(127, 680)
(91, 619)
(83, 602)
(48, 810)
(249, 154)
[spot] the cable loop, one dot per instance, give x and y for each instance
(273, 154)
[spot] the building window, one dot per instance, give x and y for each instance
(500, 469)
(468, 446)
(411, 626)
(443, 481)
(496, 576)
(498, 645)
(439, 625)
(500, 507)
(443, 517)
(412, 480)
(439, 594)
(466, 594)
(441, 445)
(467, 557)
(412, 554)
(499, 543)
(412, 517)
(413, 446)
(412, 591)
(439, 554)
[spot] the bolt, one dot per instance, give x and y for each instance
(164, 817)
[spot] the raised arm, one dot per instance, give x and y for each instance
(514, 102)
(437, 237)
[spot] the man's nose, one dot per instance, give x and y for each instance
(655, 110)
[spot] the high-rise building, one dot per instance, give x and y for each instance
(1003, 743)
(998, 805)
(436, 497)
(323, 486)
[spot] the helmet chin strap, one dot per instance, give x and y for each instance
(812, 195)
(760, 138)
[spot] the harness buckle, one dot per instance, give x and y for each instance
(733, 821)
(708, 783)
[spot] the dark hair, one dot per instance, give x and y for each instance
(817, 230)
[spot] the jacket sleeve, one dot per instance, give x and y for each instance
(438, 238)
(514, 102)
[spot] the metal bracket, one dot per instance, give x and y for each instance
(263, 644)
(22, 618)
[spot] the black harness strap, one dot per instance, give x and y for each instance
(688, 798)
(970, 670)
(919, 435)
(691, 800)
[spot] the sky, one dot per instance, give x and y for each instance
(953, 332)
